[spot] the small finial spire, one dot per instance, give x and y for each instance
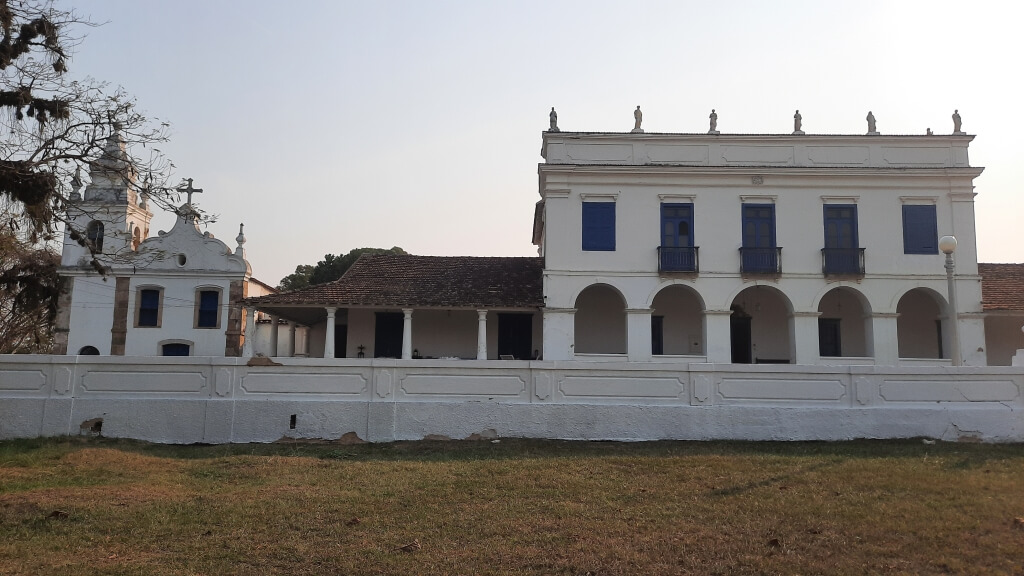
(241, 240)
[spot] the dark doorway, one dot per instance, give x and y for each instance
(657, 335)
(387, 337)
(340, 340)
(515, 335)
(739, 329)
(829, 343)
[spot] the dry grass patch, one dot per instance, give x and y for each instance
(516, 507)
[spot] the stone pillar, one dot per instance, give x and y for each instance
(805, 338)
(62, 322)
(407, 334)
(481, 334)
(559, 333)
(250, 329)
(119, 327)
(885, 339)
(329, 336)
(718, 336)
(638, 334)
(291, 338)
(274, 334)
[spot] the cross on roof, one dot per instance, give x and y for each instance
(190, 190)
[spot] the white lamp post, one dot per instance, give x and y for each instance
(948, 245)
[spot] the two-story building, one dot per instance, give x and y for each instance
(799, 249)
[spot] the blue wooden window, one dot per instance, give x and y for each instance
(920, 230)
(599, 226)
(209, 302)
(677, 225)
(759, 226)
(841, 226)
(175, 349)
(759, 253)
(149, 307)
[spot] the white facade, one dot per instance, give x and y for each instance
(599, 303)
(178, 292)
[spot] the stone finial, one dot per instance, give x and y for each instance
(638, 118)
(239, 251)
(872, 131)
(144, 196)
(713, 122)
(956, 123)
(798, 123)
(553, 117)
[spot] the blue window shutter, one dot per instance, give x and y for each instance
(599, 226)
(920, 229)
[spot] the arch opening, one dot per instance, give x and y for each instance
(600, 321)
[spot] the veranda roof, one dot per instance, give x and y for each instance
(1002, 286)
(406, 281)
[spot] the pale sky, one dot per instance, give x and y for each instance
(326, 126)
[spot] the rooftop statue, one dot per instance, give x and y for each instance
(871, 123)
(554, 120)
(798, 122)
(956, 122)
(714, 122)
(638, 117)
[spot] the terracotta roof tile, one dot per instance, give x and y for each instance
(389, 280)
(1002, 286)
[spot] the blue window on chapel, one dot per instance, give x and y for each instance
(149, 308)
(209, 302)
(920, 229)
(599, 226)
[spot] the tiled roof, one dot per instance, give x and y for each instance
(1002, 286)
(389, 280)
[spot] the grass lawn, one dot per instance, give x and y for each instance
(81, 507)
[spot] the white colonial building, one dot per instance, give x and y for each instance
(177, 293)
(688, 286)
(801, 249)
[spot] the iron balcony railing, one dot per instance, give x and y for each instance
(761, 260)
(842, 261)
(677, 259)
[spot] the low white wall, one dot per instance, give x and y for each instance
(219, 400)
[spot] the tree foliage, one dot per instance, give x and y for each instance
(53, 126)
(330, 268)
(29, 288)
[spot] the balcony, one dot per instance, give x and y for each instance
(677, 259)
(761, 260)
(842, 261)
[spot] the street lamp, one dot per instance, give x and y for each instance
(948, 245)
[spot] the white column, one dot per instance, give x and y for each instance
(559, 333)
(718, 336)
(885, 339)
(407, 334)
(805, 338)
(638, 334)
(291, 338)
(481, 334)
(274, 334)
(329, 337)
(250, 329)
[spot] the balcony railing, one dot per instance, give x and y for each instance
(842, 261)
(761, 260)
(677, 259)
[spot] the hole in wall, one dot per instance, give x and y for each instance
(182, 259)
(93, 427)
(291, 422)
